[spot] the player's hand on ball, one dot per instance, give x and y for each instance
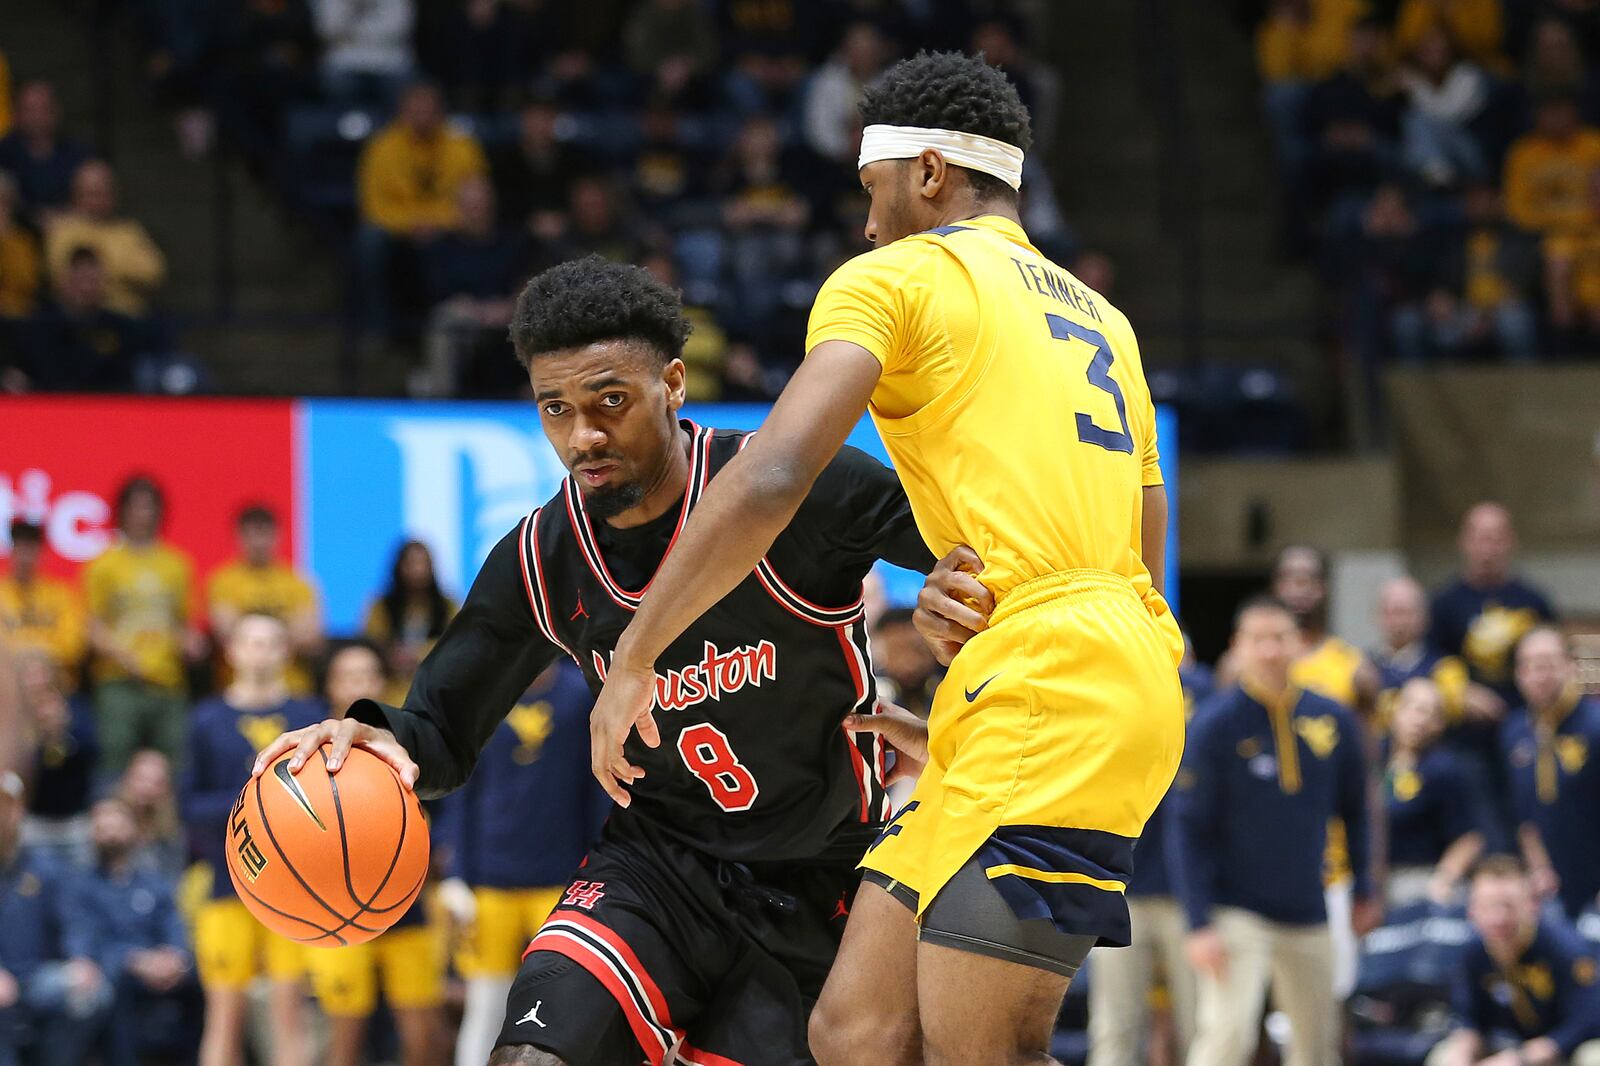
(625, 704)
(342, 734)
(901, 730)
(953, 606)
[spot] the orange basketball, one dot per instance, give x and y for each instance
(328, 859)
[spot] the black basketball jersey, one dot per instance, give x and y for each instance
(753, 764)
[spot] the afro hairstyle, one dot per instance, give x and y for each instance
(589, 300)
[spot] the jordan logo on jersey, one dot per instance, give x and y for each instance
(716, 675)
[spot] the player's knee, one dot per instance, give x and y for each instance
(854, 1034)
(522, 1055)
(958, 1044)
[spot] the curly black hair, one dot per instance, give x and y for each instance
(593, 299)
(951, 91)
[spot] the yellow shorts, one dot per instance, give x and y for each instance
(231, 948)
(410, 962)
(1056, 732)
(507, 919)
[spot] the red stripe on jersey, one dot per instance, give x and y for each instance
(522, 557)
(696, 1057)
(600, 968)
(609, 937)
(857, 760)
(856, 606)
(545, 620)
(591, 544)
(840, 616)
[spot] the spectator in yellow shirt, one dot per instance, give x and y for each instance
(407, 181)
(1550, 181)
(38, 612)
(1304, 40)
(135, 267)
(1476, 26)
(138, 593)
(1549, 170)
(258, 582)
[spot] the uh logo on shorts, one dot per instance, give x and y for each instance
(584, 894)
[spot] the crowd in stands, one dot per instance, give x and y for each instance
(1440, 163)
(77, 277)
(1326, 794)
(455, 148)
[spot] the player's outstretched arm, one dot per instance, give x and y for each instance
(343, 734)
(902, 731)
(742, 512)
(953, 606)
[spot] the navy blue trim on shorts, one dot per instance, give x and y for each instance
(1074, 907)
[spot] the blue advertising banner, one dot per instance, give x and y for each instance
(458, 476)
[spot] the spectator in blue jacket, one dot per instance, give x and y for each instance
(1552, 746)
(1431, 803)
(1482, 614)
(53, 998)
(36, 154)
(126, 911)
(1526, 992)
(1266, 767)
(503, 874)
(232, 948)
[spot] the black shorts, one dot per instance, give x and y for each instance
(658, 948)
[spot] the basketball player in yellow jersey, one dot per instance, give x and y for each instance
(1013, 403)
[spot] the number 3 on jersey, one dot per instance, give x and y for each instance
(1100, 377)
(706, 753)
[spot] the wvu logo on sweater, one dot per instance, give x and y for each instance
(1572, 753)
(1321, 734)
(261, 729)
(532, 723)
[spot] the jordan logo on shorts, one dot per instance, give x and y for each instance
(533, 1016)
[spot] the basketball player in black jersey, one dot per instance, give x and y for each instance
(702, 925)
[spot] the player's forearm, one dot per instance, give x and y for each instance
(744, 509)
(1153, 535)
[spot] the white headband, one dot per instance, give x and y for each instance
(969, 150)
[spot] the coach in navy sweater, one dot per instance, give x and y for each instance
(1266, 767)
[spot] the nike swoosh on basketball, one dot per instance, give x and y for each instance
(286, 779)
(974, 693)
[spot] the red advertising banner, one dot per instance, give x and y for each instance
(62, 460)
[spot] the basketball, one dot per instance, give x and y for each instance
(325, 859)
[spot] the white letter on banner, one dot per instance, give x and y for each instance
(459, 477)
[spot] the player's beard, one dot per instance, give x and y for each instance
(608, 501)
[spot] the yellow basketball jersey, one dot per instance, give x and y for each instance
(1012, 400)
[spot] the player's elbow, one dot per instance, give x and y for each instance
(777, 485)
